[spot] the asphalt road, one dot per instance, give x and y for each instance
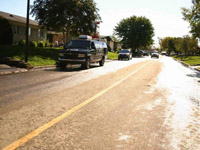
(122, 105)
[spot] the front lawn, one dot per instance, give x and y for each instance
(190, 60)
(37, 56)
(112, 55)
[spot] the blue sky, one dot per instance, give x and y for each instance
(165, 15)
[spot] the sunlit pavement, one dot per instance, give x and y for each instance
(139, 104)
(183, 104)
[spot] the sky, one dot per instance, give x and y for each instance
(165, 15)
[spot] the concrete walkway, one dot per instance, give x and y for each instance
(5, 69)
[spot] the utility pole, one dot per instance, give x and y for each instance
(27, 31)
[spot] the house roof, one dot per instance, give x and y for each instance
(106, 36)
(12, 17)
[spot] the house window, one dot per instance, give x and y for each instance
(38, 32)
(16, 29)
(29, 31)
(42, 34)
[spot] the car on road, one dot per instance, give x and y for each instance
(125, 53)
(154, 55)
(145, 53)
(83, 51)
(163, 53)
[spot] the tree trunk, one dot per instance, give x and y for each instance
(64, 36)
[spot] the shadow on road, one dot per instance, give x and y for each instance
(73, 68)
(197, 75)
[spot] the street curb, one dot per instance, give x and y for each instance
(186, 65)
(23, 70)
(43, 68)
(13, 72)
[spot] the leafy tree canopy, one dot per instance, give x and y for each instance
(135, 32)
(185, 44)
(168, 44)
(75, 16)
(192, 16)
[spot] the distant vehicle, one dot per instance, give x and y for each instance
(145, 54)
(83, 51)
(154, 55)
(164, 53)
(125, 53)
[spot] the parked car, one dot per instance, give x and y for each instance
(125, 53)
(163, 53)
(83, 51)
(154, 55)
(145, 54)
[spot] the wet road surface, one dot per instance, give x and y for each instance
(139, 104)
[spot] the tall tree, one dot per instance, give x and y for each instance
(186, 45)
(168, 44)
(70, 16)
(189, 45)
(135, 32)
(192, 16)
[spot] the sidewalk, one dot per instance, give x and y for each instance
(5, 69)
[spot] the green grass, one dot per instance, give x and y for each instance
(190, 60)
(37, 56)
(112, 55)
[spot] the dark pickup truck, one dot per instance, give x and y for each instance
(83, 51)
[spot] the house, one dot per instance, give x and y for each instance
(110, 41)
(57, 38)
(18, 25)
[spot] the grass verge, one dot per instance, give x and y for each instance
(112, 55)
(190, 60)
(37, 56)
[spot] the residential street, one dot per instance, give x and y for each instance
(144, 104)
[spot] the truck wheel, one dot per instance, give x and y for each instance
(62, 66)
(86, 65)
(101, 63)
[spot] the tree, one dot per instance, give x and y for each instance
(135, 32)
(178, 45)
(168, 44)
(6, 34)
(186, 45)
(192, 16)
(70, 16)
(189, 45)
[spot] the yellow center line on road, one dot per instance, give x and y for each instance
(44, 127)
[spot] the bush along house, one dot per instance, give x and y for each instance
(18, 25)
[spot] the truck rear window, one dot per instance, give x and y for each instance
(78, 44)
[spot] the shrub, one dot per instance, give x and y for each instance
(22, 43)
(33, 44)
(6, 34)
(41, 44)
(47, 44)
(117, 50)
